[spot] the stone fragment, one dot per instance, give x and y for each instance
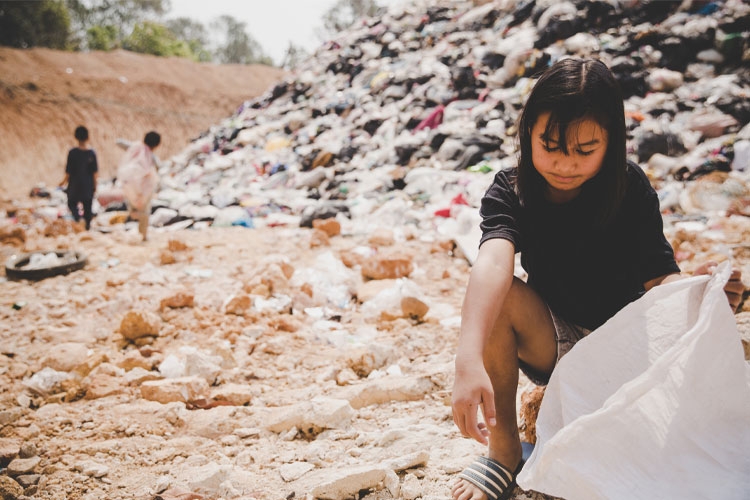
(27, 480)
(311, 417)
(91, 468)
(138, 376)
(101, 386)
(179, 300)
(20, 466)
(330, 226)
(166, 257)
(12, 235)
(414, 308)
(134, 359)
(387, 389)
(9, 489)
(182, 389)
(238, 305)
(236, 394)
(295, 470)
(137, 324)
(176, 246)
(411, 488)
(364, 360)
(9, 448)
(337, 484)
(381, 267)
(65, 356)
(410, 461)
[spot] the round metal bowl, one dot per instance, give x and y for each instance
(14, 266)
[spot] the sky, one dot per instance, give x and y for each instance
(273, 23)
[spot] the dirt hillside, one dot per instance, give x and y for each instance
(45, 94)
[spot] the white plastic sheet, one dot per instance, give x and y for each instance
(137, 176)
(654, 404)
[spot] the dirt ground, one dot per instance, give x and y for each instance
(45, 94)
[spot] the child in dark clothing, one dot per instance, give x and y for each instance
(80, 176)
(589, 230)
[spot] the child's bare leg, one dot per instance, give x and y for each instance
(524, 330)
(143, 225)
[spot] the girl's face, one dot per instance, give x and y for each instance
(566, 174)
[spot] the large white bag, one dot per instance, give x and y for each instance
(653, 404)
(137, 177)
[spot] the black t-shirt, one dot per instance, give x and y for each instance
(80, 168)
(584, 271)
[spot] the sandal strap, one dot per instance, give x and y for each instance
(490, 476)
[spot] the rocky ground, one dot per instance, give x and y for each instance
(227, 363)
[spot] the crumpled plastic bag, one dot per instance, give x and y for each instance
(653, 404)
(137, 177)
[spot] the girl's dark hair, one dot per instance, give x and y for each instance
(81, 133)
(152, 139)
(572, 90)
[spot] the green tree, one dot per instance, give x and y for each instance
(41, 23)
(156, 39)
(345, 13)
(194, 34)
(120, 15)
(237, 46)
(103, 37)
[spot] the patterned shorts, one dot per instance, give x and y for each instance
(567, 336)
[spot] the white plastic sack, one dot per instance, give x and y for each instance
(654, 404)
(137, 176)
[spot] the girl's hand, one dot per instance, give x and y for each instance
(472, 389)
(734, 287)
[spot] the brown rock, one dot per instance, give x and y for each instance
(101, 386)
(182, 389)
(387, 267)
(9, 448)
(284, 324)
(331, 227)
(138, 324)
(414, 308)
(134, 359)
(9, 489)
(176, 246)
(239, 305)
(23, 466)
(60, 227)
(12, 235)
(167, 258)
(180, 299)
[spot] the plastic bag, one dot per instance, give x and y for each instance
(137, 176)
(653, 404)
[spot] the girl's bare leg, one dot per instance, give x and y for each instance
(523, 330)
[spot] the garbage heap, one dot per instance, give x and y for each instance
(404, 118)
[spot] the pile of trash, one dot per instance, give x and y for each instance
(405, 118)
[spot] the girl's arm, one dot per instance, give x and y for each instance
(489, 282)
